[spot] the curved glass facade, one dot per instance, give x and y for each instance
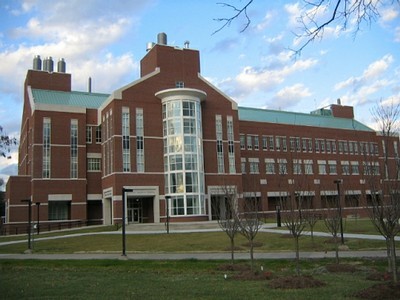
(183, 153)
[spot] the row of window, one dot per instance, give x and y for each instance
(306, 166)
(306, 145)
(46, 152)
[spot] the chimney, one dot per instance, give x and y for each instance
(90, 85)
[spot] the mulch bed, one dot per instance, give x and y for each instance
(380, 291)
(295, 282)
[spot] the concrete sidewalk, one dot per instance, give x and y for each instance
(197, 256)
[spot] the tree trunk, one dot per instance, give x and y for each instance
(336, 249)
(232, 251)
(389, 255)
(297, 255)
(393, 258)
(251, 253)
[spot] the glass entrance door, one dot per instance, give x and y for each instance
(135, 211)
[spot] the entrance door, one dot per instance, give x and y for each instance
(135, 210)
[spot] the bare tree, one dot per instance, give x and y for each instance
(317, 15)
(6, 142)
(226, 211)
(332, 222)
(294, 220)
(384, 209)
(250, 222)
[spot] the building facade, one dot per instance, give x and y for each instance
(171, 143)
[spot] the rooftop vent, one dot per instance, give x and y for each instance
(61, 66)
(48, 64)
(37, 63)
(186, 44)
(162, 38)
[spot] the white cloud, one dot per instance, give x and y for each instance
(388, 14)
(373, 71)
(290, 96)
(252, 79)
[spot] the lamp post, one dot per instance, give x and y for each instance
(278, 216)
(124, 191)
(338, 183)
(29, 221)
(38, 222)
(167, 198)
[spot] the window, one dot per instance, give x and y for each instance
(282, 163)
(254, 168)
(220, 150)
(231, 145)
(308, 166)
(183, 156)
(310, 145)
(242, 142)
(354, 168)
(269, 166)
(264, 143)
(59, 210)
(88, 134)
(297, 166)
(317, 145)
(256, 143)
(277, 143)
(98, 134)
(345, 167)
(139, 140)
(322, 145)
(292, 143)
(249, 142)
(126, 149)
(341, 146)
(304, 145)
(243, 165)
(322, 167)
(345, 147)
(179, 84)
(297, 144)
(93, 164)
(332, 167)
(74, 149)
(271, 143)
(46, 163)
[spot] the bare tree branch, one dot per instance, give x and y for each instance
(313, 25)
(237, 13)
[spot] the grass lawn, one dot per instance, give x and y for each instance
(185, 242)
(190, 279)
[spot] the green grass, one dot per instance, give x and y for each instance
(185, 242)
(190, 279)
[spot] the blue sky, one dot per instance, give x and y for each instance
(106, 40)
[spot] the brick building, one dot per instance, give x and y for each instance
(171, 136)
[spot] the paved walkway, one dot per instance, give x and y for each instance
(198, 256)
(211, 226)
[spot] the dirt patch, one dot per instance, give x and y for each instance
(253, 275)
(295, 282)
(341, 268)
(379, 276)
(233, 268)
(380, 291)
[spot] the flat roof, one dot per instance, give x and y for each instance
(299, 119)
